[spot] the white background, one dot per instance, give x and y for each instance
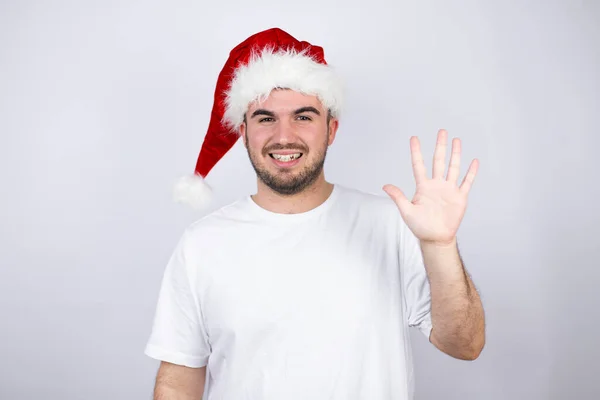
(104, 104)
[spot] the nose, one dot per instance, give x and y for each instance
(284, 132)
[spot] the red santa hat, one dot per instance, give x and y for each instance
(265, 61)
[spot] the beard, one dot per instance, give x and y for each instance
(285, 182)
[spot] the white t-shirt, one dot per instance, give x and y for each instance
(315, 305)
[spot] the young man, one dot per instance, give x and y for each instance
(307, 289)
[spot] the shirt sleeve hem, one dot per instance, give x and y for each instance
(161, 354)
(425, 327)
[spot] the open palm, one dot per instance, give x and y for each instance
(438, 205)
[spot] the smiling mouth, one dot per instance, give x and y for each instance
(285, 157)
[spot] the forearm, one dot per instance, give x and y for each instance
(456, 309)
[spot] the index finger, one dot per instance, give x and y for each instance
(419, 170)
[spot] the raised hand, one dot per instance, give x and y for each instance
(439, 204)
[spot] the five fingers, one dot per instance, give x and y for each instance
(439, 161)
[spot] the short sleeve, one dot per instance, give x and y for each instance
(178, 333)
(417, 292)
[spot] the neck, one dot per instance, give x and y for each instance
(310, 198)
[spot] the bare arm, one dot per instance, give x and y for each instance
(177, 382)
(456, 309)
(434, 216)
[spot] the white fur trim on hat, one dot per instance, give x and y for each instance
(285, 69)
(193, 191)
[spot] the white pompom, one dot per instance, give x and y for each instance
(192, 190)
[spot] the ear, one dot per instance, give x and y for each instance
(242, 132)
(334, 123)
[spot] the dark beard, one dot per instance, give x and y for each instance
(284, 183)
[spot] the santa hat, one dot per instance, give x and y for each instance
(265, 61)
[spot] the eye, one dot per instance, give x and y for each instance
(304, 118)
(266, 119)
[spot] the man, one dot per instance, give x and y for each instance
(307, 289)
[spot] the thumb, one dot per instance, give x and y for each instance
(399, 198)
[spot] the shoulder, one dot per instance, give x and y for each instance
(373, 209)
(367, 202)
(217, 222)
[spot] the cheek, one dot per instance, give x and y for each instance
(257, 140)
(316, 137)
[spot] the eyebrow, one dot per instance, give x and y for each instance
(261, 111)
(301, 110)
(307, 109)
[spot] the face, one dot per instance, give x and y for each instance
(287, 137)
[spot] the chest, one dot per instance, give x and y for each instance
(307, 289)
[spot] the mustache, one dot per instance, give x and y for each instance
(293, 146)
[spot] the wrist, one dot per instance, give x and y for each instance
(442, 261)
(438, 245)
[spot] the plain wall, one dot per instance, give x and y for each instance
(104, 104)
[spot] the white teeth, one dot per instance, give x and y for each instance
(286, 157)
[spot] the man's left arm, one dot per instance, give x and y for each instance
(456, 311)
(434, 215)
